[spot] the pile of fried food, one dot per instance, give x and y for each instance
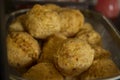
(55, 43)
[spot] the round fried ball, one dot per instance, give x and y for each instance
(71, 21)
(22, 49)
(51, 46)
(41, 23)
(73, 57)
(91, 36)
(100, 52)
(18, 23)
(101, 68)
(86, 27)
(43, 71)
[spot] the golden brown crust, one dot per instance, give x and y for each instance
(71, 21)
(101, 68)
(42, 23)
(88, 34)
(74, 57)
(100, 52)
(22, 49)
(43, 71)
(87, 26)
(51, 46)
(18, 23)
(73, 46)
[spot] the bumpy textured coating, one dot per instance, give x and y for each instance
(41, 23)
(51, 46)
(74, 57)
(43, 71)
(101, 68)
(22, 49)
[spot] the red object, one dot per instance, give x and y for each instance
(109, 8)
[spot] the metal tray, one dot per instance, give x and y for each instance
(110, 36)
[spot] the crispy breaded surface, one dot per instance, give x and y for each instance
(71, 21)
(100, 52)
(51, 46)
(101, 68)
(22, 49)
(18, 23)
(57, 43)
(89, 35)
(86, 26)
(41, 23)
(43, 71)
(74, 57)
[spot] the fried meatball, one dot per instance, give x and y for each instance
(101, 68)
(71, 21)
(51, 46)
(43, 71)
(22, 49)
(91, 36)
(73, 57)
(100, 52)
(86, 27)
(18, 23)
(41, 23)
